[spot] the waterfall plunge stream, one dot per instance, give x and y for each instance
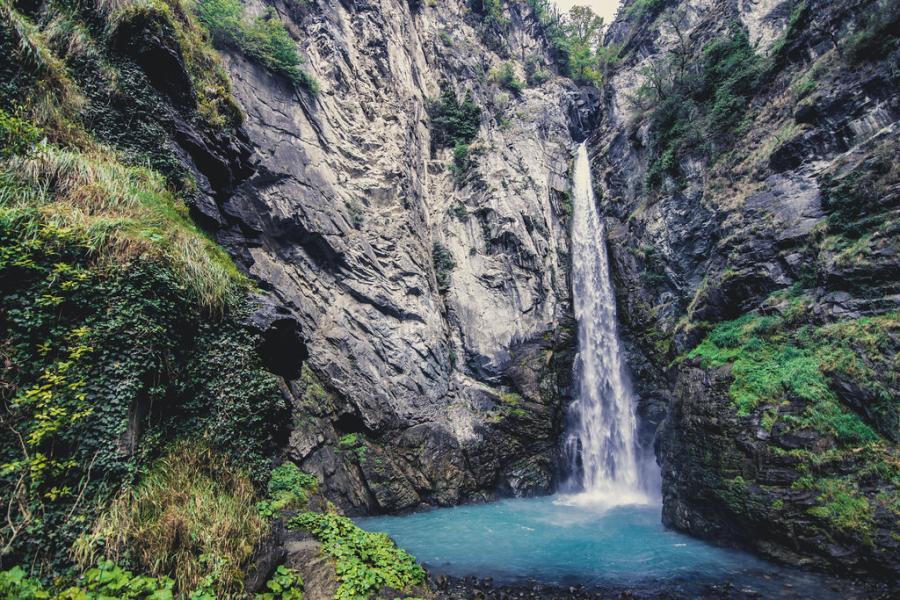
(600, 447)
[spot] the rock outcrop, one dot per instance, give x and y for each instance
(743, 165)
(413, 392)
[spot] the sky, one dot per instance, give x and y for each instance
(604, 8)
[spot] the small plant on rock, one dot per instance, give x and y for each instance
(365, 562)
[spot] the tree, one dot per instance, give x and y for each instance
(584, 40)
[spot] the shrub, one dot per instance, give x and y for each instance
(878, 36)
(284, 584)
(443, 265)
(459, 211)
(17, 135)
(783, 45)
(698, 107)
(506, 76)
(536, 72)
(191, 514)
(462, 162)
(642, 8)
(287, 489)
(453, 122)
(106, 580)
(353, 444)
(120, 212)
(855, 201)
(491, 12)
(365, 562)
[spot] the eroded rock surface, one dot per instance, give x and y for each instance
(412, 394)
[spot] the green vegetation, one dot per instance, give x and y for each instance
(878, 36)
(583, 39)
(783, 368)
(853, 201)
(642, 8)
(18, 136)
(355, 444)
(577, 38)
(108, 581)
(796, 22)
(512, 404)
(536, 72)
(89, 342)
(454, 123)
(288, 488)
(105, 581)
(462, 162)
(285, 584)
(192, 515)
(459, 212)
(843, 506)
(123, 324)
(118, 213)
(263, 38)
(697, 106)
(506, 77)
(773, 360)
(365, 562)
(443, 266)
(178, 26)
(491, 12)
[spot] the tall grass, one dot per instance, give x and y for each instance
(53, 98)
(192, 516)
(263, 38)
(120, 212)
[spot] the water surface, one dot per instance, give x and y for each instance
(562, 541)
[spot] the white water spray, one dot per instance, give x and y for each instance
(601, 446)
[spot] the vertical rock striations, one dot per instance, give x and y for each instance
(431, 292)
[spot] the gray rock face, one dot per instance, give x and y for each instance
(714, 242)
(429, 390)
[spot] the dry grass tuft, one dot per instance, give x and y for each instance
(192, 516)
(54, 95)
(121, 212)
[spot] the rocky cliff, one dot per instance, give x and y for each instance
(746, 162)
(398, 208)
(434, 302)
(399, 320)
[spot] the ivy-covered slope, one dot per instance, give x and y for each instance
(139, 369)
(746, 162)
(124, 328)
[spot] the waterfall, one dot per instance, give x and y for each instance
(600, 446)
